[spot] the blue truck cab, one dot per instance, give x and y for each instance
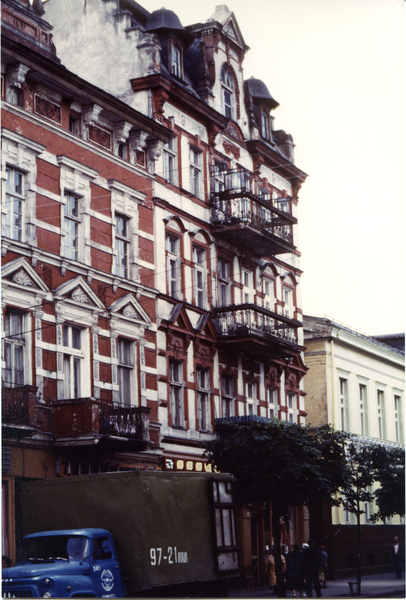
(67, 563)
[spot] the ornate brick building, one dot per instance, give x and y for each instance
(151, 280)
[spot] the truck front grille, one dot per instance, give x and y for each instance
(23, 592)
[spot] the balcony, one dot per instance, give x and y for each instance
(18, 411)
(86, 422)
(245, 215)
(256, 331)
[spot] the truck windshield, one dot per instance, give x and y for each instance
(73, 547)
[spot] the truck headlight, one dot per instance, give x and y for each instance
(47, 595)
(47, 581)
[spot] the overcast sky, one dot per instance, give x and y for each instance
(335, 67)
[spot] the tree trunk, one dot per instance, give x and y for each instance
(358, 547)
(276, 532)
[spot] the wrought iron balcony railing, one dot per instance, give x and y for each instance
(245, 213)
(18, 405)
(248, 324)
(88, 421)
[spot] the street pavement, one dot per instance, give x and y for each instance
(384, 585)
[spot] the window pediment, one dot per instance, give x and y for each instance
(128, 307)
(78, 291)
(21, 273)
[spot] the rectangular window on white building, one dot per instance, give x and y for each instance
(227, 393)
(251, 393)
(15, 204)
(169, 161)
(203, 396)
(397, 410)
(273, 402)
(200, 276)
(14, 347)
(196, 180)
(71, 223)
(122, 245)
(125, 369)
(380, 401)
(173, 266)
(343, 403)
(72, 361)
(176, 393)
(224, 283)
(362, 408)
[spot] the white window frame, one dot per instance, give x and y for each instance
(227, 92)
(125, 371)
(20, 153)
(176, 64)
(273, 404)
(200, 276)
(169, 161)
(227, 395)
(14, 221)
(397, 399)
(269, 293)
(14, 343)
(196, 170)
(343, 392)
(73, 361)
(264, 124)
(363, 398)
(247, 292)
(122, 244)
(288, 302)
(69, 220)
(224, 282)
(291, 401)
(251, 390)
(380, 403)
(203, 399)
(176, 393)
(173, 266)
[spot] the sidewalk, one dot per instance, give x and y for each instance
(372, 586)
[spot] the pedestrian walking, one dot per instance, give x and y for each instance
(271, 571)
(312, 569)
(324, 566)
(397, 556)
(295, 571)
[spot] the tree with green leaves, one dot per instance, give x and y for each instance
(369, 464)
(390, 473)
(282, 463)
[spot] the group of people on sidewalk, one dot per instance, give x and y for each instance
(302, 569)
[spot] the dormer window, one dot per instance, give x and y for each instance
(175, 61)
(227, 91)
(264, 125)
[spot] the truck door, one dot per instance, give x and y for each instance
(106, 572)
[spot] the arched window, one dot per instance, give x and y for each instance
(227, 91)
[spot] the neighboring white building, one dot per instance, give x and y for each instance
(355, 383)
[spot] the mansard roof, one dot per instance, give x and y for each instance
(258, 89)
(166, 20)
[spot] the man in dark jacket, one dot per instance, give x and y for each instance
(312, 567)
(397, 556)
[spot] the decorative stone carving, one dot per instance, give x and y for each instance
(22, 278)
(90, 115)
(15, 77)
(38, 357)
(99, 136)
(59, 334)
(212, 133)
(47, 109)
(59, 362)
(79, 296)
(155, 148)
(137, 142)
(129, 311)
(160, 97)
(121, 132)
(231, 149)
(114, 374)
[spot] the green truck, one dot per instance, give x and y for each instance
(173, 534)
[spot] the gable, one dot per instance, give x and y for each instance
(20, 273)
(78, 291)
(128, 307)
